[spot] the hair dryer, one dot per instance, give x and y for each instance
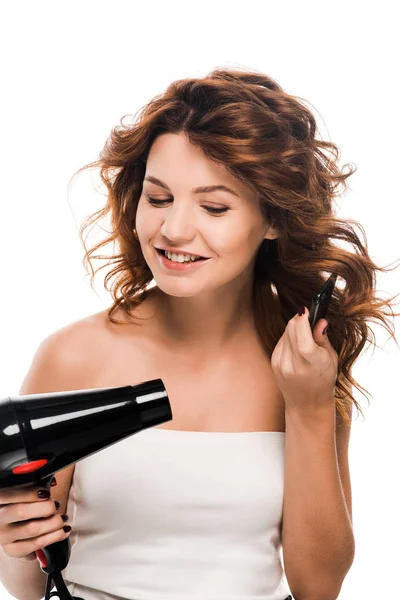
(43, 433)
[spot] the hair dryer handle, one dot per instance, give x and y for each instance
(54, 557)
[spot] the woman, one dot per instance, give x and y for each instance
(221, 203)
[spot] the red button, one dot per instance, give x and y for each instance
(30, 466)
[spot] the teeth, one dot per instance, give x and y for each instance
(181, 257)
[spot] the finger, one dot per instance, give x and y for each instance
(28, 493)
(297, 358)
(320, 326)
(305, 341)
(277, 355)
(287, 357)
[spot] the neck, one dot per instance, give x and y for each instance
(207, 322)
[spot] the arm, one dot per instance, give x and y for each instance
(317, 537)
(22, 579)
(58, 365)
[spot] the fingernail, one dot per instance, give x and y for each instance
(53, 482)
(67, 528)
(65, 517)
(301, 311)
(56, 502)
(325, 330)
(44, 493)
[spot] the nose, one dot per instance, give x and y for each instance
(179, 223)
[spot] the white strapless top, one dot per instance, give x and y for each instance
(179, 515)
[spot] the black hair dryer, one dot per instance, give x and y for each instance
(43, 433)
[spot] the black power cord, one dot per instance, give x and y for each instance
(62, 590)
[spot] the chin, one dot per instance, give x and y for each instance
(177, 290)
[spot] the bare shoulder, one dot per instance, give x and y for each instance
(81, 354)
(70, 352)
(79, 335)
(65, 360)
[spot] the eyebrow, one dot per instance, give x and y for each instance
(198, 190)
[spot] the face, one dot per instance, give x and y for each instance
(226, 228)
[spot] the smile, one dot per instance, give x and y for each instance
(179, 266)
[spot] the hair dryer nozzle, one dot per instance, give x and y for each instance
(43, 433)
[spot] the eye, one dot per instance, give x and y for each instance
(211, 209)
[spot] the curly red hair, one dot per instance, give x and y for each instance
(266, 138)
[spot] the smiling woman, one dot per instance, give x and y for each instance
(227, 168)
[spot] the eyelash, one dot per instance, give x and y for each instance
(214, 211)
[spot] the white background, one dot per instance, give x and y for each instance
(70, 71)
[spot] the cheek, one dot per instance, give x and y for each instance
(234, 242)
(145, 222)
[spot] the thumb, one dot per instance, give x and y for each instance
(321, 338)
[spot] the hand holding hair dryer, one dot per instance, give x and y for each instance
(43, 433)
